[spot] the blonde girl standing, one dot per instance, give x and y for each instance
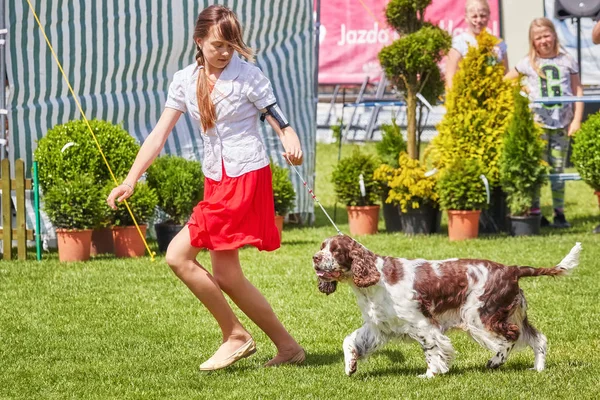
(550, 72)
(477, 16)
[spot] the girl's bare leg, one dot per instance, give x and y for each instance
(228, 273)
(181, 257)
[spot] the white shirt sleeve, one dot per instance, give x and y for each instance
(572, 65)
(460, 44)
(176, 95)
(523, 67)
(260, 91)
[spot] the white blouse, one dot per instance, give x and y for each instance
(462, 42)
(239, 93)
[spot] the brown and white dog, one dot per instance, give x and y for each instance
(421, 299)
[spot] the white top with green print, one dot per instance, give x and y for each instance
(558, 71)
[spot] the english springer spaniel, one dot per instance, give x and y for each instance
(421, 299)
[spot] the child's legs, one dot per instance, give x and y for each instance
(558, 142)
(555, 154)
(230, 277)
(181, 257)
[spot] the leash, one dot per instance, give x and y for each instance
(312, 193)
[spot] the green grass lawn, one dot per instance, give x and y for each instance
(113, 328)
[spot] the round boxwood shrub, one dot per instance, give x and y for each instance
(460, 186)
(75, 203)
(179, 185)
(283, 189)
(586, 151)
(69, 150)
(346, 178)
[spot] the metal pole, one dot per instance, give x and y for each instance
(36, 205)
(317, 45)
(3, 32)
(579, 48)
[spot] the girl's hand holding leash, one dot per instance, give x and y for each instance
(120, 193)
(291, 145)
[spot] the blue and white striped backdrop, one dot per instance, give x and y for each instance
(120, 56)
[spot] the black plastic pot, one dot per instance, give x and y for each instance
(525, 226)
(493, 219)
(391, 216)
(165, 232)
(423, 220)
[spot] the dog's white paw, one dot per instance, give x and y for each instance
(538, 369)
(351, 364)
(427, 375)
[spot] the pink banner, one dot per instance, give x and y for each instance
(353, 32)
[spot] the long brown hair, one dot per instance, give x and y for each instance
(541, 23)
(228, 28)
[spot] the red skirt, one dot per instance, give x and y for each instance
(236, 212)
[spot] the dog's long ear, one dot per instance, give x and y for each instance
(327, 287)
(364, 271)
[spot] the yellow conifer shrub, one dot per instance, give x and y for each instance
(478, 110)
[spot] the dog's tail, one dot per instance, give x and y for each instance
(563, 268)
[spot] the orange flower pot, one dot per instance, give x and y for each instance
(463, 224)
(73, 244)
(597, 193)
(127, 241)
(279, 224)
(363, 220)
(102, 242)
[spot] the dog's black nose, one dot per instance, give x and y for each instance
(317, 258)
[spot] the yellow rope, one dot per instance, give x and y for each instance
(368, 12)
(87, 123)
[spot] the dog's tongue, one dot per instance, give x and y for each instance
(333, 274)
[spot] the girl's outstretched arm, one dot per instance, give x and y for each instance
(290, 141)
(150, 149)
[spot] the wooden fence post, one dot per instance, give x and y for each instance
(20, 184)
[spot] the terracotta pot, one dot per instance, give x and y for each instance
(363, 219)
(73, 244)
(597, 193)
(102, 242)
(279, 224)
(127, 241)
(463, 224)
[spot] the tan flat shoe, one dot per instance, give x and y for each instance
(297, 358)
(246, 350)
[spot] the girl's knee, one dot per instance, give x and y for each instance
(176, 260)
(228, 281)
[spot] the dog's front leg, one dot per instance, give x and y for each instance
(359, 344)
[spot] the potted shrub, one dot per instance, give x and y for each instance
(462, 194)
(354, 186)
(74, 206)
(68, 150)
(523, 170)
(478, 110)
(388, 149)
(586, 154)
(126, 238)
(414, 194)
(284, 194)
(179, 185)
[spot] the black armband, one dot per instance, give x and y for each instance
(274, 111)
